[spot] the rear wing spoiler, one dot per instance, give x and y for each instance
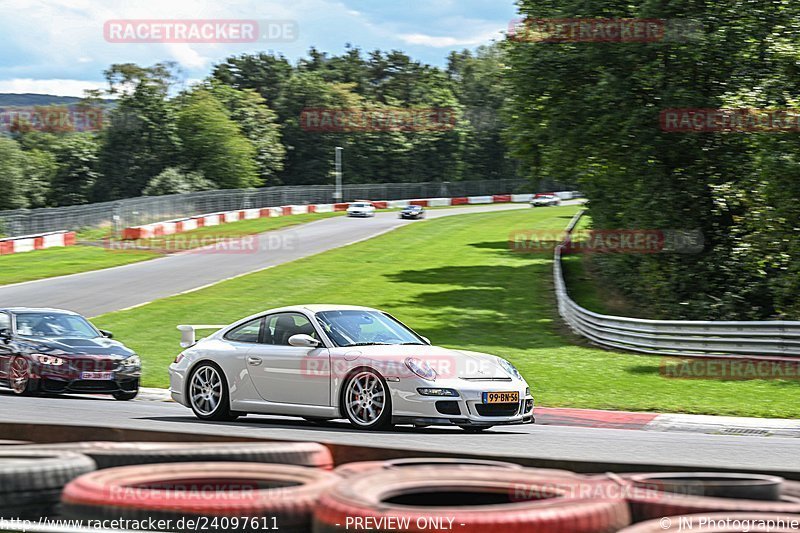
(188, 333)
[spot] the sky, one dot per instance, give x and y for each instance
(59, 46)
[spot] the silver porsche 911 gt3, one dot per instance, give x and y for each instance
(324, 362)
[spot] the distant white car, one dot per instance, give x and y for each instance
(544, 200)
(361, 209)
(323, 362)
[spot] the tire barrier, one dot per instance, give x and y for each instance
(720, 523)
(358, 468)
(31, 482)
(202, 496)
(671, 494)
(112, 454)
(424, 498)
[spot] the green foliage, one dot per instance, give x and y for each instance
(41, 169)
(174, 181)
(213, 144)
(12, 178)
(591, 111)
(76, 161)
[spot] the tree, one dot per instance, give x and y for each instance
(140, 140)
(259, 124)
(214, 145)
(175, 181)
(40, 169)
(12, 177)
(76, 158)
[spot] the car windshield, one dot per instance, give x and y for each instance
(360, 205)
(54, 325)
(363, 328)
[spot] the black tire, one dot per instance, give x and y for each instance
(221, 409)
(31, 481)
(384, 420)
(125, 396)
(113, 454)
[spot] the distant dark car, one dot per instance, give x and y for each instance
(55, 351)
(413, 212)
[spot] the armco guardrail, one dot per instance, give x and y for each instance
(673, 337)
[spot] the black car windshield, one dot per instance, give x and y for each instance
(363, 328)
(54, 325)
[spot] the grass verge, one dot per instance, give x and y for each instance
(455, 280)
(52, 262)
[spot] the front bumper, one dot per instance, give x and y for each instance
(466, 409)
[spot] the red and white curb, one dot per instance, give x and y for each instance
(171, 227)
(41, 241)
(707, 424)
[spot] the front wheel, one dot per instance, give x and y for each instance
(367, 401)
(208, 394)
(126, 395)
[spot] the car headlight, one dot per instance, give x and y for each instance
(49, 360)
(421, 368)
(509, 368)
(132, 362)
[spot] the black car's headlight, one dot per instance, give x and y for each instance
(131, 362)
(510, 369)
(49, 360)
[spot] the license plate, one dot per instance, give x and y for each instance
(500, 397)
(99, 376)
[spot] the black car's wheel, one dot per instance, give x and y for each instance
(366, 401)
(208, 394)
(126, 395)
(19, 377)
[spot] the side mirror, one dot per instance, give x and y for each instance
(426, 339)
(106, 334)
(302, 340)
(5, 334)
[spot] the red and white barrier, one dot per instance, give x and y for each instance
(29, 243)
(177, 226)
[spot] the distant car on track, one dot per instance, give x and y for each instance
(56, 351)
(361, 209)
(544, 200)
(324, 362)
(412, 212)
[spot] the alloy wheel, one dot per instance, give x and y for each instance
(205, 391)
(365, 398)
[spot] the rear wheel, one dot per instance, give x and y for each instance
(367, 402)
(208, 394)
(19, 378)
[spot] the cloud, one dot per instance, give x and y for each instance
(58, 87)
(447, 42)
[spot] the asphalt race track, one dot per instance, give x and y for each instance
(529, 441)
(103, 291)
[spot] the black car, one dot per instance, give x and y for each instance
(55, 351)
(413, 212)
